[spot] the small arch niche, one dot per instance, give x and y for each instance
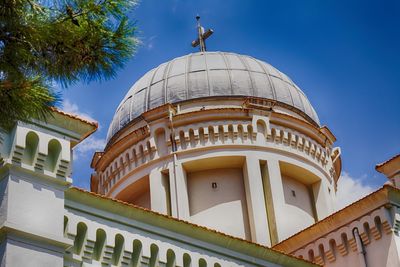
(153, 255)
(80, 238)
(53, 155)
(202, 263)
(170, 258)
(99, 244)
(31, 145)
(137, 253)
(118, 249)
(187, 260)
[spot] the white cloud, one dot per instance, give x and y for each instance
(73, 108)
(88, 146)
(91, 144)
(350, 189)
(150, 42)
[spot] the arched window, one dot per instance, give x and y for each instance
(170, 258)
(153, 255)
(31, 145)
(187, 261)
(136, 253)
(118, 249)
(99, 244)
(53, 155)
(80, 237)
(202, 263)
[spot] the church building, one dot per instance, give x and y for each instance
(212, 159)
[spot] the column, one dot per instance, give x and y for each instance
(255, 201)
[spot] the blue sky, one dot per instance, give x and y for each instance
(343, 54)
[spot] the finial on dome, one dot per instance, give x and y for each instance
(202, 36)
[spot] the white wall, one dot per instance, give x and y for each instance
(19, 253)
(223, 208)
(35, 206)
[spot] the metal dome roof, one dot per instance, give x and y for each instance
(206, 74)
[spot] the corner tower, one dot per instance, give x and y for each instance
(35, 171)
(221, 140)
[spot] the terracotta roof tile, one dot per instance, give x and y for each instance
(386, 162)
(74, 116)
(338, 213)
(185, 222)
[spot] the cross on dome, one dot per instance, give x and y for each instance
(202, 36)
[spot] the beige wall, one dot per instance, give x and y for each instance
(222, 208)
(138, 193)
(298, 207)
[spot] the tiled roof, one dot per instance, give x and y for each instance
(338, 214)
(186, 222)
(74, 116)
(386, 162)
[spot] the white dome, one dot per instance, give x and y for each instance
(208, 74)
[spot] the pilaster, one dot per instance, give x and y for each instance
(255, 201)
(158, 192)
(275, 198)
(179, 191)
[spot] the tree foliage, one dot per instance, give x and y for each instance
(63, 41)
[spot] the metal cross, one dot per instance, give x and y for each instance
(202, 36)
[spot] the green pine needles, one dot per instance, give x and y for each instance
(64, 41)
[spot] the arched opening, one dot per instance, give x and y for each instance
(53, 155)
(230, 133)
(240, 132)
(221, 134)
(367, 230)
(332, 246)
(170, 258)
(80, 238)
(134, 156)
(378, 224)
(202, 263)
(321, 252)
(187, 260)
(182, 140)
(128, 162)
(211, 134)
(261, 127)
(153, 255)
(142, 156)
(121, 162)
(201, 136)
(192, 138)
(136, 253)
(118, 249)
(345, 241)
(31, 145)
(250, 132)
(149, 150)
(311, 256)
(99, 244)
